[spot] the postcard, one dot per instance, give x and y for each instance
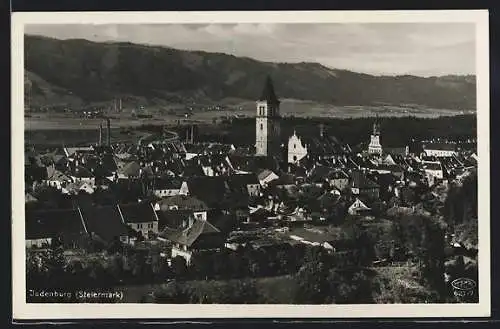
(203, 165)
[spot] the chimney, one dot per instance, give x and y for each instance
(108, 121)
(100, 134)
(321, 130)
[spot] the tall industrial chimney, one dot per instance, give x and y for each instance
(100, 134)
(108, 121)
(321, 130)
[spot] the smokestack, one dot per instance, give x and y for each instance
(321, 130)
(108, 121)
(100, 134)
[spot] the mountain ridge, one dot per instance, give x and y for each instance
(82, 71)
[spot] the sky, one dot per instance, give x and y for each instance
(422, 49)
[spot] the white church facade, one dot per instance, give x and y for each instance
(375, 147)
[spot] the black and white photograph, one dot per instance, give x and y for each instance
(291, 163)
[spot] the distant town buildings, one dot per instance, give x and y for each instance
(440, 149)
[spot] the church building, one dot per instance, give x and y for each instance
(375, 147)
(267, 133)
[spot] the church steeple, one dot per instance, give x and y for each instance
(268, 93)
(267, 137)
(376, 127)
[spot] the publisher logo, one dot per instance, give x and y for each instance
(464, 288)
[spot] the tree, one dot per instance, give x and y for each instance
(201, 265)
(312, 278)
(173, 293)
(179, 266)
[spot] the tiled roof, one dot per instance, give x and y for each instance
(137, 212)
(166, 183)
(182, 202)
(130, 169)
(172, 219)
(264, 174)
(81, 172)
(208, 189)
(104, 221)
(359, 180)
(53, 223)
(241, 180)
(188, 236)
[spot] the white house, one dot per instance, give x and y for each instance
(433, 171)
(166, 187)
(440, 149)
(357, 207)
(141, 217)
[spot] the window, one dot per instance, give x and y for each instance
(294, 146)
(261, 126)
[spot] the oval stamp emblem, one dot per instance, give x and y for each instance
(463, 287)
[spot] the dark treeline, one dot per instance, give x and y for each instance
(394, 131)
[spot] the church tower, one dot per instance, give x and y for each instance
(267, 133)
(375, 147)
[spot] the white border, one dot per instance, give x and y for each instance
(23, 311)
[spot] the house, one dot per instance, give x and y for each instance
(43, 226)
(214, 164)
(318, 175)
(244, 164)
(358, 208)
(433, 171)
(323, 146)
(209, 189)
(129, 170)
(105, 224)
(82, 174)
(166, 187)
(86, 187)
(56, 178)
(71, 151)
(198, 236)
(173, 218)
(440, 149)
(141, 217)
(246, 183)
(362, 186)
(266, 176)
(182, 202)
(285, 181)
(338, 179)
